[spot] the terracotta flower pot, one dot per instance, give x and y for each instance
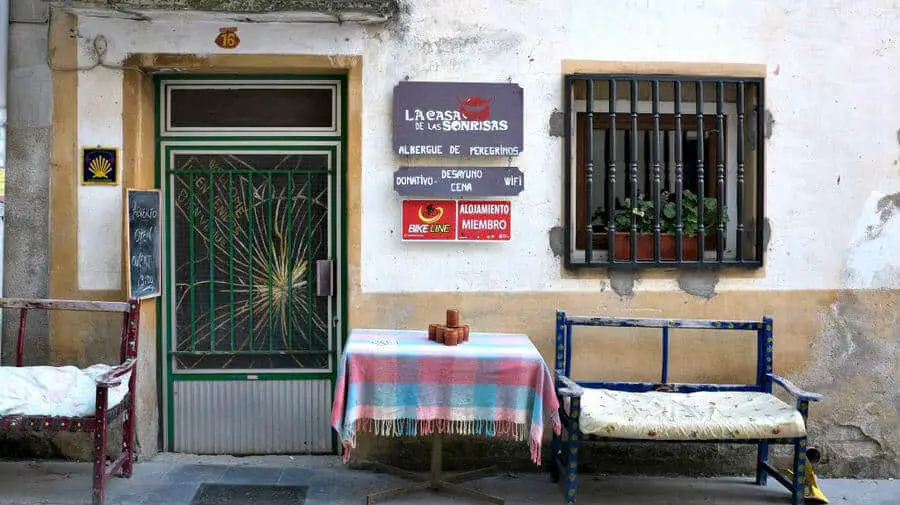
(667, 249)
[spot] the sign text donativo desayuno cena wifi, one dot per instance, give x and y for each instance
(457, 119)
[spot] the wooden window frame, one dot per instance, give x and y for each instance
(644, 124)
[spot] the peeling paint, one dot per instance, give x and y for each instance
(770, 124)
(700, 283)
(853, 442)
(855, 358)
(872, 259)
(557, 124)
(887, 207)
(557, 238)
(623, 281)
(458, 48)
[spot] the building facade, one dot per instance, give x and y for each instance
(270, 136)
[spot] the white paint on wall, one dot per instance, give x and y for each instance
(833, 141)
(100, 211)
(872, 259)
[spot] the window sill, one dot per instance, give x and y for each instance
(600, 259)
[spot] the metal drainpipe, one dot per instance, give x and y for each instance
(4, 52)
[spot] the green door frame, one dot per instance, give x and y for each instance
(336, 145)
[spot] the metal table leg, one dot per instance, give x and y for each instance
(434, 480)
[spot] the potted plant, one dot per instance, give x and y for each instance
(644, 212)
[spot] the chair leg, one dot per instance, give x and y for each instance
(128, 439)
(799, 480)
(98, 487)
(762, 456)
(571, 470)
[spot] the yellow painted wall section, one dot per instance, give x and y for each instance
(75, 337)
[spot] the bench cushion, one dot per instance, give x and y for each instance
(725, 415)
(64, 391)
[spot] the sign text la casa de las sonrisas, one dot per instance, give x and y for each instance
(457, 119)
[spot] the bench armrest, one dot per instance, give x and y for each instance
(569, 387)
(113, 377)
(792, 389)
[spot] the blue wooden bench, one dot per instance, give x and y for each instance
(678, 412)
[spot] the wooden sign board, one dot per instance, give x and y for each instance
(458, 119)
(143, 242)
(452, 182)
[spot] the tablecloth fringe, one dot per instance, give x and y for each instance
(416, 427)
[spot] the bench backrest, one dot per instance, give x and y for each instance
(129, 309)
(764, 345)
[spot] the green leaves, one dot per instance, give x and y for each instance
(669, 210)
(644, 213)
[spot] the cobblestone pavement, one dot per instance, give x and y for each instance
(170, 479)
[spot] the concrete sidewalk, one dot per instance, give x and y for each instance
(171, 479)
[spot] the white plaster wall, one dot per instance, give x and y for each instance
(834, 140)
(99, 124)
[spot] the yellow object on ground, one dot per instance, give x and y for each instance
(812, 491)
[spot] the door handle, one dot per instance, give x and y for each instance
(325, 277)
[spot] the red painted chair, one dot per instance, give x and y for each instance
(98, 423)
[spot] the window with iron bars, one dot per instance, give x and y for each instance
(654, 180)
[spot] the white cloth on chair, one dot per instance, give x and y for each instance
(64, 391)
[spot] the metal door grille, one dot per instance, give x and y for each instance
(248, 229)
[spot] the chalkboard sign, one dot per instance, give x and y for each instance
(143, 242)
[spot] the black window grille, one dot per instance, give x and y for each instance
(653, 179)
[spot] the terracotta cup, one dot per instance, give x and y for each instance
(465, 333)
(440, 333)
(452, 336)
(432, 332)
(452, 318)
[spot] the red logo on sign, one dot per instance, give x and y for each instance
(429, 219)
(475, 108)
(485, 220)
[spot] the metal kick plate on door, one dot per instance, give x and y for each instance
(324, 277)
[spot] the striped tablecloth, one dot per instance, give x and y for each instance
(398, 383)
